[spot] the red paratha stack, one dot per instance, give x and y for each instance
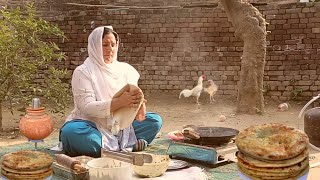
(272, 151)
(26, 165)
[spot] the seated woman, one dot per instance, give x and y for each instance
(94, 83)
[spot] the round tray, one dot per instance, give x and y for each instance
(177, 164)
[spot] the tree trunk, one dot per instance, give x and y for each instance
(250, 27)
(1, 116)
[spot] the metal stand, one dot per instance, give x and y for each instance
(35, 143)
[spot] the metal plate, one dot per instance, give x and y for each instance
(216, 132)
(177, 164)
(175, 135)
(213, 135)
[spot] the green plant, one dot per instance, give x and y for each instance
(296, 92)
(292, 81)
(266, 88)
(27, 67)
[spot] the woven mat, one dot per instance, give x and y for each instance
(159, 146)
(224, 172)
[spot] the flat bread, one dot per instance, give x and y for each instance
(27, 160)
(257, 175)
(17, 176)
(124, 117)
(272, 141)
(252, 175)
(25, 172)
(276, 170)
(265, 163)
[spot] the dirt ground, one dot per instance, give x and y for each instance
(176, 113)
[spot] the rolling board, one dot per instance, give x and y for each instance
(66, 173)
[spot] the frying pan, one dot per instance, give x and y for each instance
(213, 135)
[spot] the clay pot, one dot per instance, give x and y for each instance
(312, 125)
(36, 124)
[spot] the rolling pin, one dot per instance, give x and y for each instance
(70, 162)
(129, 157)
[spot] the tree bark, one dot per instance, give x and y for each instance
(1, 116)
(250, 27)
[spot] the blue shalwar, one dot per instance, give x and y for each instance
(81, 137)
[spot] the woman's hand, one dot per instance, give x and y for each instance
(127, 99)
(132, 98)
(141, 115)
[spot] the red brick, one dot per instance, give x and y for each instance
(294, 26)
(294, 31)
(293, 21)
(309, 15)
(286, 26)
(278, 21)
(305, 10)
(301, 15)
(294, 16)
(316, 30)
(292, 11)
(314, 20)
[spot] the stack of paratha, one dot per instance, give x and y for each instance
(26, 165)
(272, 151)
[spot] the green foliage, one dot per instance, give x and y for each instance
(296, 92)
(27, 60)
(292, 81)
(266, 89)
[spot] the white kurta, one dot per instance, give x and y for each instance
(94, 83)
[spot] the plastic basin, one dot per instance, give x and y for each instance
(107, 168)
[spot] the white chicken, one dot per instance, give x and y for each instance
(196, 91)
(211, 89)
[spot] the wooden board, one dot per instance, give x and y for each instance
(66, 173)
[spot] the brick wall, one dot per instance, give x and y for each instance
(172, 45)
(293, 61)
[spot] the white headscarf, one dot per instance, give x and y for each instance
(101, 72)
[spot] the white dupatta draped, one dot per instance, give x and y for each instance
(103, 74)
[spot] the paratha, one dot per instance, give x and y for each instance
(27, 160)
(289, 169)
(251, 174)
(272, 141)
(266, 163)
(17, 176)
(25, 172)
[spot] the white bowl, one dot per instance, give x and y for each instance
(107, 168)
(156, 168)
